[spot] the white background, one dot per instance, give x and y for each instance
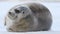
(34, 0)
(53, 7)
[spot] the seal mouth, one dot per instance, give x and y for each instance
(12, 16)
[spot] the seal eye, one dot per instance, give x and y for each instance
(17, 11)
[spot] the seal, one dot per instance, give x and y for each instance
(28, 17)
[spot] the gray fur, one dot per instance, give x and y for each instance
(36, 18)
(43, 15)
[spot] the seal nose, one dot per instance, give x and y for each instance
(9, 12)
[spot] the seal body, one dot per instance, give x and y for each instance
(28, 17)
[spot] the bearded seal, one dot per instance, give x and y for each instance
(28, 17)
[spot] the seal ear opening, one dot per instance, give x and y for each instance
(24, 9)
(23, 12)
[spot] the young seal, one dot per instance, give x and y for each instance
(28, 17)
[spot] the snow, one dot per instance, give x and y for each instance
(53, 7)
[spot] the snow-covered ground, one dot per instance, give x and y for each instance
(53, 7)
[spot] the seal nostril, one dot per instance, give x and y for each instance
(9, 12)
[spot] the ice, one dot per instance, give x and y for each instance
(53, 7)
